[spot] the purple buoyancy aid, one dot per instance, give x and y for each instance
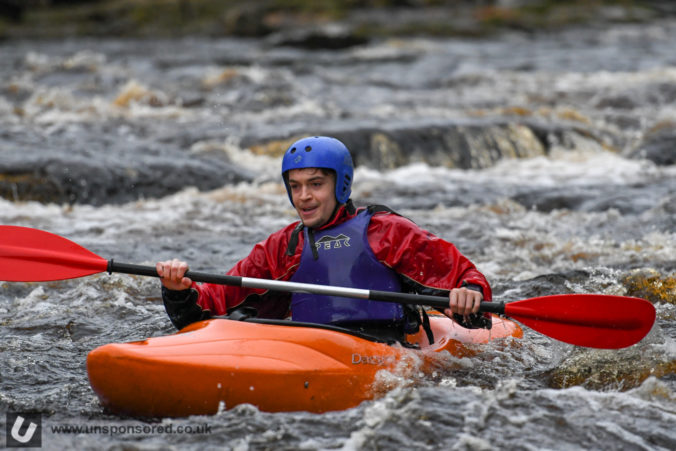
(343, 257)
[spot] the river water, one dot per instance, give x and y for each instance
(166, 147)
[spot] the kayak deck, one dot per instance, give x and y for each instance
(220, 363)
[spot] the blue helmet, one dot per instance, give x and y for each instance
(321, 152)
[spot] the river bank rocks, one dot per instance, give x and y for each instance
(307, 24)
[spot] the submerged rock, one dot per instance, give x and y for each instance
(129, 165)
(77, 180)
(107, 170)
(472, 143)
(328, 37)
(611, 369)
(457, 145)
(462, 144)
(650, 284)
(658, 146)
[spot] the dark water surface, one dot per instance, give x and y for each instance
(153, 149)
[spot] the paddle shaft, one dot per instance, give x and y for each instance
(523, 313)
(438, 302)
(593, 320)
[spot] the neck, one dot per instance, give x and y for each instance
(349, 209)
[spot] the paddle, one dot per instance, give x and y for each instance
(591, 320)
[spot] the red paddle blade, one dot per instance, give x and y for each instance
(591, 320)
(32, 255)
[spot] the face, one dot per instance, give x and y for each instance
(314, 195)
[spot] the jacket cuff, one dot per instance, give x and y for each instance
(176, 296)
(182, 308)
(473, 287)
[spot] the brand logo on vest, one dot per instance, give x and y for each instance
(329, 242)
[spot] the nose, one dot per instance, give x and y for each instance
(303, 192)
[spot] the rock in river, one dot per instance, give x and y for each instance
(52, 169)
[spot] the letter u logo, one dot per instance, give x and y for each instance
(25, 431)
(26, 436)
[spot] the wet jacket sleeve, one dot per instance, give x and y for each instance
(432, 265)
(267, 260)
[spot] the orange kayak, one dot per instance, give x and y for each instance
(274, 365)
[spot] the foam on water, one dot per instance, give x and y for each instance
(573, 168)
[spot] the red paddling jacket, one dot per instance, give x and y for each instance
(425, 263)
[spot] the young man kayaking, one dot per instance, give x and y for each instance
(335, 243)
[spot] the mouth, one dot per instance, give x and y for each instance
(306, 212)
